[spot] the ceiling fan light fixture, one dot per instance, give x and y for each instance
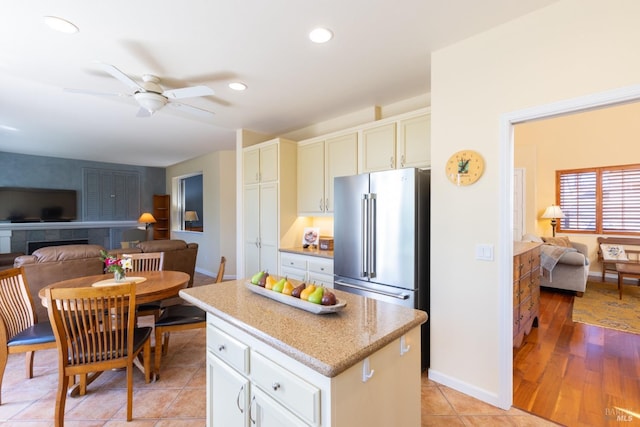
(320, 35)
(237, 86)
(150, 101)
(61, 25)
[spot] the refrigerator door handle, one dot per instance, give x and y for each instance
(400, 295)
(372, 235)
(363, 243)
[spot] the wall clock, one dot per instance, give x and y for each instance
(465, 167)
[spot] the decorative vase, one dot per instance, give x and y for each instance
(119, 276)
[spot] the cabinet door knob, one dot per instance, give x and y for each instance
(221, 347)
(391, 162)
(367, 373)
(320, 204)
(238, 400)
(275, 386)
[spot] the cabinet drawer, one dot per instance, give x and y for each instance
(286, 388)
(321, 279)
(294, 273)
(228, 349)
(293, 262)
(321, 266)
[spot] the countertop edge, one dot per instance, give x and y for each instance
(313, 363)
(308, 252)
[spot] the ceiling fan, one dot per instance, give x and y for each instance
(151, 96)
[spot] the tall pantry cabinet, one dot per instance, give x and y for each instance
(269, 202)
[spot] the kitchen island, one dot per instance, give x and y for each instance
(273, 364)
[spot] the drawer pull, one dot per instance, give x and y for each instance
(221, 347)
(238, 400)
(275, 386)
(253, 399)
(367, 373)
(404, 348)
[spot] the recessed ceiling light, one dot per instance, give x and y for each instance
(320, 35)
(237, 86)
(60, 24)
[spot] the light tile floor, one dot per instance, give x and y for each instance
(178, 398)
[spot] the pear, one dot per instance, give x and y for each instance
(279, 285)
(268, 284)
(304, 295)
(298, 289)
(328, 298)
(287, 289)
(256, 277)
(316, 296)
(263, 279)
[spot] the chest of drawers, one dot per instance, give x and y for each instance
(526, 289)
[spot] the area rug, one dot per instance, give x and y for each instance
(601, 306)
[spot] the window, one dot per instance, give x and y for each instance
(190, 200)
(603, 200)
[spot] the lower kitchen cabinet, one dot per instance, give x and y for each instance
(307, 268)
(250, 383)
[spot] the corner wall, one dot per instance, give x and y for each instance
(570, 49)
(219, 216)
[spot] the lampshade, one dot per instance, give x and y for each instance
(553, 211)
(191, 216)
(147, 218)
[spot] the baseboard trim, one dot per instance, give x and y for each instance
(468, 389)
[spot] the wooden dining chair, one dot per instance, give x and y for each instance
(147, 261)
(20, 331)
(94, 333)
(180, 317)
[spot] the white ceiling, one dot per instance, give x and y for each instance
(380, 55)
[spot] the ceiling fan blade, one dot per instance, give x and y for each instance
(188, 92)
(93, 92)
(120, 76)
(191, 109)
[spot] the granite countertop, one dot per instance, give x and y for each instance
(327, 343)
(308, 251)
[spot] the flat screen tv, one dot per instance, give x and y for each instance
(37, 204)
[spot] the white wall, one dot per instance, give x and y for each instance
(219, 206)
(570, 49)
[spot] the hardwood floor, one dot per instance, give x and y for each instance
(577, 374)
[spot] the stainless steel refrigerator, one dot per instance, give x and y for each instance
(381, 239)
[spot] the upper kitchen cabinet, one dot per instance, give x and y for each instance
(269, 203)
(395, 143)
(319, 162)
(260, 163)
(379, 148)
(414, 142)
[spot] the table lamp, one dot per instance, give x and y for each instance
(190, 217)
(553, 212)
(147, 219)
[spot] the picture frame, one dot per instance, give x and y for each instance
(311, 236)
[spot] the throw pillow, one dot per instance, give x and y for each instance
(531, 238)
(613, 252)
(558, 241)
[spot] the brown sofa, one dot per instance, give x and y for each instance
(178, 254)
(55, 263)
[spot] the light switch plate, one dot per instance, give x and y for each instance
(484, 252)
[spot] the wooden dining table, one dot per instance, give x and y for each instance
(150, 286)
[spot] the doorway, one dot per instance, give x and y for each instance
(508, 121)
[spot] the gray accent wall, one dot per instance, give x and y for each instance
(21, 170)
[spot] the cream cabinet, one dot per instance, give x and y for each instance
(379, 148)
(319, 162)
(307, 268)
(414, 142)
(397, 143)
(251, 383)
(260, 163)
(269, 203)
